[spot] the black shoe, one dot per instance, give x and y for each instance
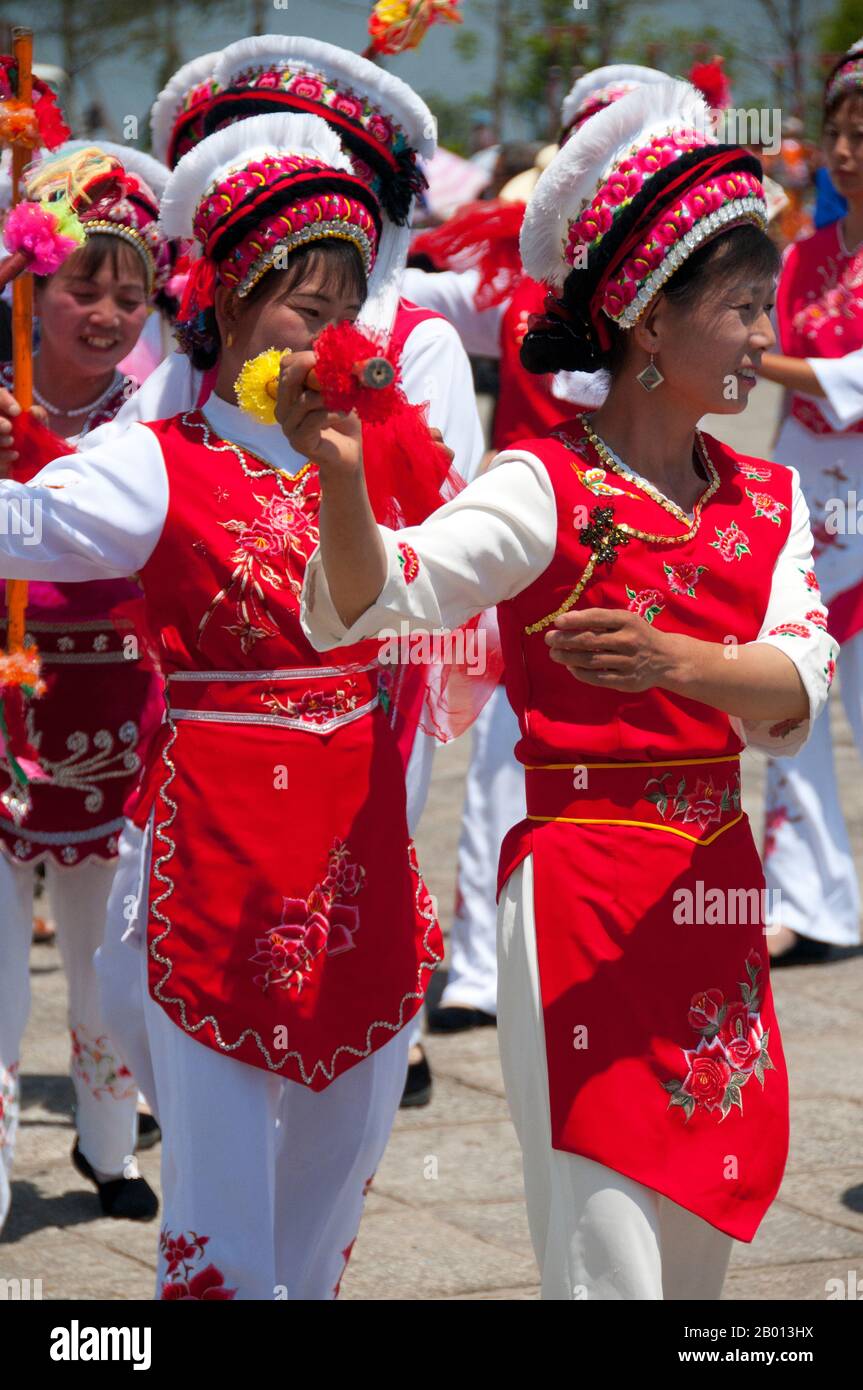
(129, 1199)
(451, 1019)
(149, 1132)
(805, 951)
(418, 1086)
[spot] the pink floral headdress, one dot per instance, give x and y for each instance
(257, 190)
(847, 76)
(177, 114)
(600, 88)
(109, 199)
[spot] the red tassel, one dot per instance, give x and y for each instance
(37, 446)
(200, 291)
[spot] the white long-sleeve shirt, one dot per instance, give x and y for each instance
(499, 535)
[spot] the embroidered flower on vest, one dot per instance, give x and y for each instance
(732, 543)
(683, 578)
(647, 603)
(790, 630)
(765, 505)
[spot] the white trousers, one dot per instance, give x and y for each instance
(807, 852)
(494, 801)
(118, 959)
(595, 1233)
(105, 1093)
(272, 1174)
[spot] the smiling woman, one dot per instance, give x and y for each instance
(656, 614)
(99, 709)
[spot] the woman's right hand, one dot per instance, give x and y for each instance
(9, 408)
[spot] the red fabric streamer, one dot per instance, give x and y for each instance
(36, 446)
(408, 472)
(481, 236)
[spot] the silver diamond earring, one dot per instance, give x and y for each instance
(650, 376)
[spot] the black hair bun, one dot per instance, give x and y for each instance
(562, 342)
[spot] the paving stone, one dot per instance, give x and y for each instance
(787, 1235)
(414, 1255)
(465, 1163)
(804, 1282)
(835, 1194)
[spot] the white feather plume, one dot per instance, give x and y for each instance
(235, 147)
(150, 171)
(585, 389)
(163, 112)
(584, 162)
(612, 75)
(394, 97)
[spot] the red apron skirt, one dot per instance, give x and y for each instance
(664, 1056)
(289, 924)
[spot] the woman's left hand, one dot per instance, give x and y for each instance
(611, 647)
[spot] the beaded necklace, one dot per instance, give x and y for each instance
(604, 535)
(297, 480)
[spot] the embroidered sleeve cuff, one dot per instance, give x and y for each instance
(406, 597)
(814, 653)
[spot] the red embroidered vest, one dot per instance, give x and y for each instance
(289, 925)
(819, 309)
(663, 1052)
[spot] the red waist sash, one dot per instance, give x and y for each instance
(289, 925)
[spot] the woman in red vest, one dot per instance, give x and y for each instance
(819, 309)
(658, 611)
(289, 941)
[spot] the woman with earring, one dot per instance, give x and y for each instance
(807, 853)
(655, 614)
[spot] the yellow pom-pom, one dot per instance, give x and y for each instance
(252, 383)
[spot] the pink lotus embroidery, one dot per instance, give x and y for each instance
(309, 926)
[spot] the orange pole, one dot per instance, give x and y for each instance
(22, 317)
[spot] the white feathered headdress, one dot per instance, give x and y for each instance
(584, 164)
(172, 101)
(604, 85)
(382, 123)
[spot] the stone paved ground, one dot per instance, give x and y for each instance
(446, 1217)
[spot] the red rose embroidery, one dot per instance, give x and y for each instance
(732, 1049)
(709, 1074)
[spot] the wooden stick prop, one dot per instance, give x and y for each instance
(407, 470)
(33, 239)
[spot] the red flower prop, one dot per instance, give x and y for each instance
(408, 473)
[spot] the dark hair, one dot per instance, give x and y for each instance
(345, 275)
(574, 345)
(100, 248)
